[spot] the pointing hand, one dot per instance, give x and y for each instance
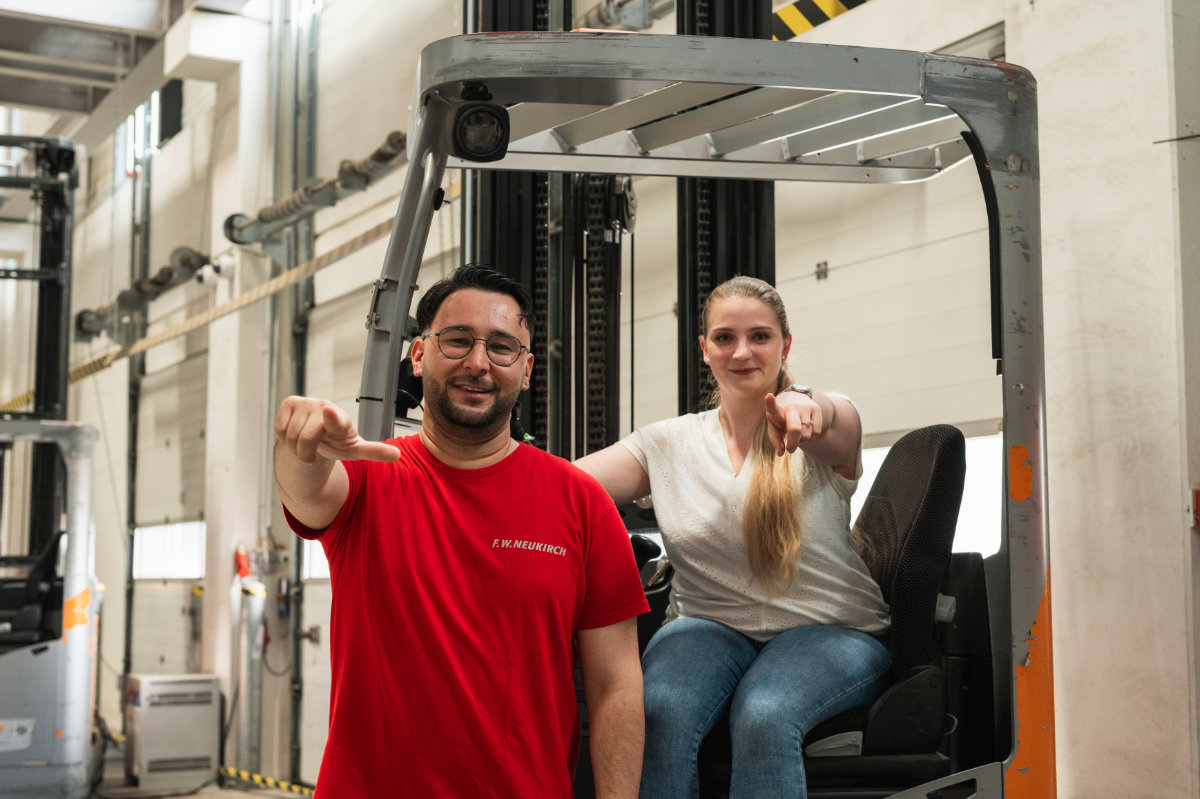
(311, 428)
(791, 419)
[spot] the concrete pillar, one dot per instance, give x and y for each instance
(232, 51)
(1122, 553)
(1185, 69)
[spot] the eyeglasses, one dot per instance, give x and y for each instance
(456, 343)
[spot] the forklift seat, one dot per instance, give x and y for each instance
(905, 532)
(26, 587)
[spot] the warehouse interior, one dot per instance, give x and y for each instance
(197, 196)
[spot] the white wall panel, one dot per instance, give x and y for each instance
(318, 599)
(655, 325)
(910, 24)
(1122, 541)
(171, 430)
(101, 257)
(656, 364)
(172, 406)
(360, 269)
(336, 342)
(354, 273)
(367, 65)
(902, 322)
(162, 637)
(181, 191)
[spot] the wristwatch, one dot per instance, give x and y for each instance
(803, 389)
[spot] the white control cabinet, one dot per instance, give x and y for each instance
(172, 730)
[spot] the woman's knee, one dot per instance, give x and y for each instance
(759, 718)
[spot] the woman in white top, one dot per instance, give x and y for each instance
(773, 615)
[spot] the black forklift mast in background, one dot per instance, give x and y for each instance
(507, 216)
(53, 188)
(559, 234)
(726, 227)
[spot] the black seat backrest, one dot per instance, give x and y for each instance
(26, 596)
(905, 532)
(41, 572)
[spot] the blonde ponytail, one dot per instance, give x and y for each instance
(771, 519)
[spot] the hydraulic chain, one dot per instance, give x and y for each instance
(595, 225)
(704, 274)
(540, 387)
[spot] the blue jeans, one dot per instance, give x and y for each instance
(775, 692)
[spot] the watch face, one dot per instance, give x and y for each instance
(803, 389)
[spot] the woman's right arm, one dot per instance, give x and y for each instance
(618, 471)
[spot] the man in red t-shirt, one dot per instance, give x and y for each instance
(469, 575)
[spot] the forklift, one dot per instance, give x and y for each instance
(553, 124)
(49, 596)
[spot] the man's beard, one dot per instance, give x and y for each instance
(469, 419)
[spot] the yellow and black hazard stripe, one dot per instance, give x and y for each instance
(803, 15)
(265, 782)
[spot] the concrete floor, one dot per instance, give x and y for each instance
(113, 785)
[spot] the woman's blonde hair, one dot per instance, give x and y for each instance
(771, 519)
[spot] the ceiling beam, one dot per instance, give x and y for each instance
(145, 17)
(7, 70)
(48, 95)
(145, 79)
(63, 43)
(13, 57)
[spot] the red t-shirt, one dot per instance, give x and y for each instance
(457, 594)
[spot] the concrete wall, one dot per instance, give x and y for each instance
(1120, 539)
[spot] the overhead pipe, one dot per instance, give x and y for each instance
(353, 176)
(185, 264)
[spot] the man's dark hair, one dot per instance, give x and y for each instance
(473, 276)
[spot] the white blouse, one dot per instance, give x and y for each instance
(698, 502)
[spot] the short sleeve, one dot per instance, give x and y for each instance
(636, 443)
(613, 587)
(332, 536)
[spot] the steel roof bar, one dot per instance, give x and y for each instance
(813, 114)
(915, 138)
(892, 118)
(640, 110)
(717, 115)
(525, 119)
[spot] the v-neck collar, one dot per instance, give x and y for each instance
(722, 453)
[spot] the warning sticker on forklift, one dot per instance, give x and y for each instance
(15, 734)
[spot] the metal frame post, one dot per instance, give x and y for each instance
(387, 319)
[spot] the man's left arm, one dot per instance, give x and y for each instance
(612, 682)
